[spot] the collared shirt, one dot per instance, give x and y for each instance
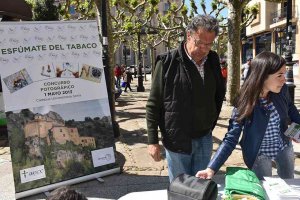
(272, 142)
(200, 67)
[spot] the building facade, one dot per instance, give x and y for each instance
(268, 31)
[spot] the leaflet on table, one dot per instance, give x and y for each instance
(277, 188)
(293, 131)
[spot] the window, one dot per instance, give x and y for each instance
(166, 8)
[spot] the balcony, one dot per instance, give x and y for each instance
(280, 15)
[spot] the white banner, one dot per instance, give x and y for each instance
(50, 63)
(56, 103)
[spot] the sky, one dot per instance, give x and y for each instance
(78, 110)
(208, 7)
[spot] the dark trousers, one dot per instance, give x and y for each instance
(127, 86)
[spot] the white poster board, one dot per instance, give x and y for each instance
(56, 103)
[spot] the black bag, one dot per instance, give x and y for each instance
(186, 187)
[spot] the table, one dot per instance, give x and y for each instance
(163, 195)
(159, 195)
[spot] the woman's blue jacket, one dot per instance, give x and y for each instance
(254, 129)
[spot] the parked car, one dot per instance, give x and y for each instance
(133, 70)
(147, 69)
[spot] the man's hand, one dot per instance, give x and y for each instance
(205, 174)
(154, 151)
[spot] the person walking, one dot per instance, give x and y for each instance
(262, 111)
(185, 99)
(246, 68)
(224, 70)
(127, 79)
(118, 74)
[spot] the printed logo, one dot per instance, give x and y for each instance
(103, 156)
(32, 174)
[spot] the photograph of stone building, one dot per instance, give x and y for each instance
(60, 138)
(43, 126)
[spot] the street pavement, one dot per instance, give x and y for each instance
(139, 171)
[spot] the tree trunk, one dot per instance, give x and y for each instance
(152, 59)
(234, 21)
(109, 68)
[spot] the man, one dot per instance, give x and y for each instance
(186, 99)
(246, 68)
(118, 75)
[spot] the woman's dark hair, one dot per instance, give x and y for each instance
(263, 65)
(65, 193)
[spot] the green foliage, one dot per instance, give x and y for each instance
(73, 169)
(85, 9)
(154, 2)
(44, 10)
(173, 7)
(134, 3)
(214, 6)
(193, 6)
(184, 10)
(17, 156)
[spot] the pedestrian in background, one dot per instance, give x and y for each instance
(245, 68)
(118, 74)
(224, 70)
(262, 112)
(185, 99)
(127, 79)
(123, 68)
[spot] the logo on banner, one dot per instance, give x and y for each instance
(32, 174)
(103, 156)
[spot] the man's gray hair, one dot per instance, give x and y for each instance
(205, 22)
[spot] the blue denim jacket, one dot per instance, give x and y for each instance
(254, 129)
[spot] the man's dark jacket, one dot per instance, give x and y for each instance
(180, 102)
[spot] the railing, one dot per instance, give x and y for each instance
(280, 15)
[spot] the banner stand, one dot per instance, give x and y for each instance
(100, 180)
(69, 182)
(60, 127)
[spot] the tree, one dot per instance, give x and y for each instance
(133, 19)
(85, 8)
(44, 10)
(239, 15)
(133, 15)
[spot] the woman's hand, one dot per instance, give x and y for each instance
(295, 140)
(205, 174)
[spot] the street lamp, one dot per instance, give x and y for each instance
(140, 87)
(288, 52)
(125, 54)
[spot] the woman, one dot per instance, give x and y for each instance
(262, 111)
(127, 79)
